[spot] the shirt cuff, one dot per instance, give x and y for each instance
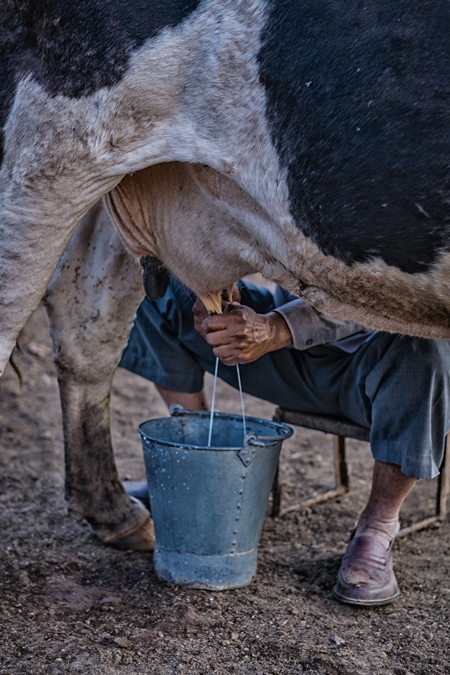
(310, 328)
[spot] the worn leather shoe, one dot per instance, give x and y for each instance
(366, 576)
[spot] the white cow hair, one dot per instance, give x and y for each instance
(190, 99)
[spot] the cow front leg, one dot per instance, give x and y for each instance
(90, 303)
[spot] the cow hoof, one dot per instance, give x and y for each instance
(142, 539)
(137, 534)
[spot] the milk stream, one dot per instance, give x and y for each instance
(213, 402)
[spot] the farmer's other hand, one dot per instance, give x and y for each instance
(200, 314)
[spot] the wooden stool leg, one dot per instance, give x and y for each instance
(276, 494)
(341, 472)
(443, 483)
(341, 475)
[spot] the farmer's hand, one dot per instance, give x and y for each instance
(240, 335)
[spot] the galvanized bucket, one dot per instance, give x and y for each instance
(208, 503)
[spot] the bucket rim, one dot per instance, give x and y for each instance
(286, 430)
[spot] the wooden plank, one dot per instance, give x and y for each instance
(328, 425)
(318, 499)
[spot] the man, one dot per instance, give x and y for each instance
(298, 358)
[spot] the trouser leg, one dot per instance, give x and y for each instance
(400, 387)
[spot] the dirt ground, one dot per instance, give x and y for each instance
(69, 604)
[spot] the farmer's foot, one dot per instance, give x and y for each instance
(138, 490)
(366, 576)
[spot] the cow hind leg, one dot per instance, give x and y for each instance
(90, 303)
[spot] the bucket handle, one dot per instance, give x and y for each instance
(250, 445)
(251, 441)
(177, 410)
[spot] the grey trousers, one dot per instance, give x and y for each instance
(397, 386)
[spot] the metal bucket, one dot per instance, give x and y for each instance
(208, 503)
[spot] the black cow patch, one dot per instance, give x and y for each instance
(358, 101)
(6, 93)
(74, 47)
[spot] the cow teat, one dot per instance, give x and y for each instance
(155, 277)
(214, 299)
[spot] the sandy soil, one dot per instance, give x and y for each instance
(71, 605)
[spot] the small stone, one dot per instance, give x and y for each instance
(235, 636)
(47, 380)
(337, 640)
(110, 600)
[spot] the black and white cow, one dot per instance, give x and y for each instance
(307, 141)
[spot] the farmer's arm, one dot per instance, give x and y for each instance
(240, 335)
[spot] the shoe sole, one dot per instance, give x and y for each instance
(365, 603)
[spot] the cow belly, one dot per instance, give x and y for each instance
(197, 222)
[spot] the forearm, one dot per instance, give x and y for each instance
(278, 332)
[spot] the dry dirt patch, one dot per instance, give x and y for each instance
(71, 605)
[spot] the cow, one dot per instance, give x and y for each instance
(306, 141)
